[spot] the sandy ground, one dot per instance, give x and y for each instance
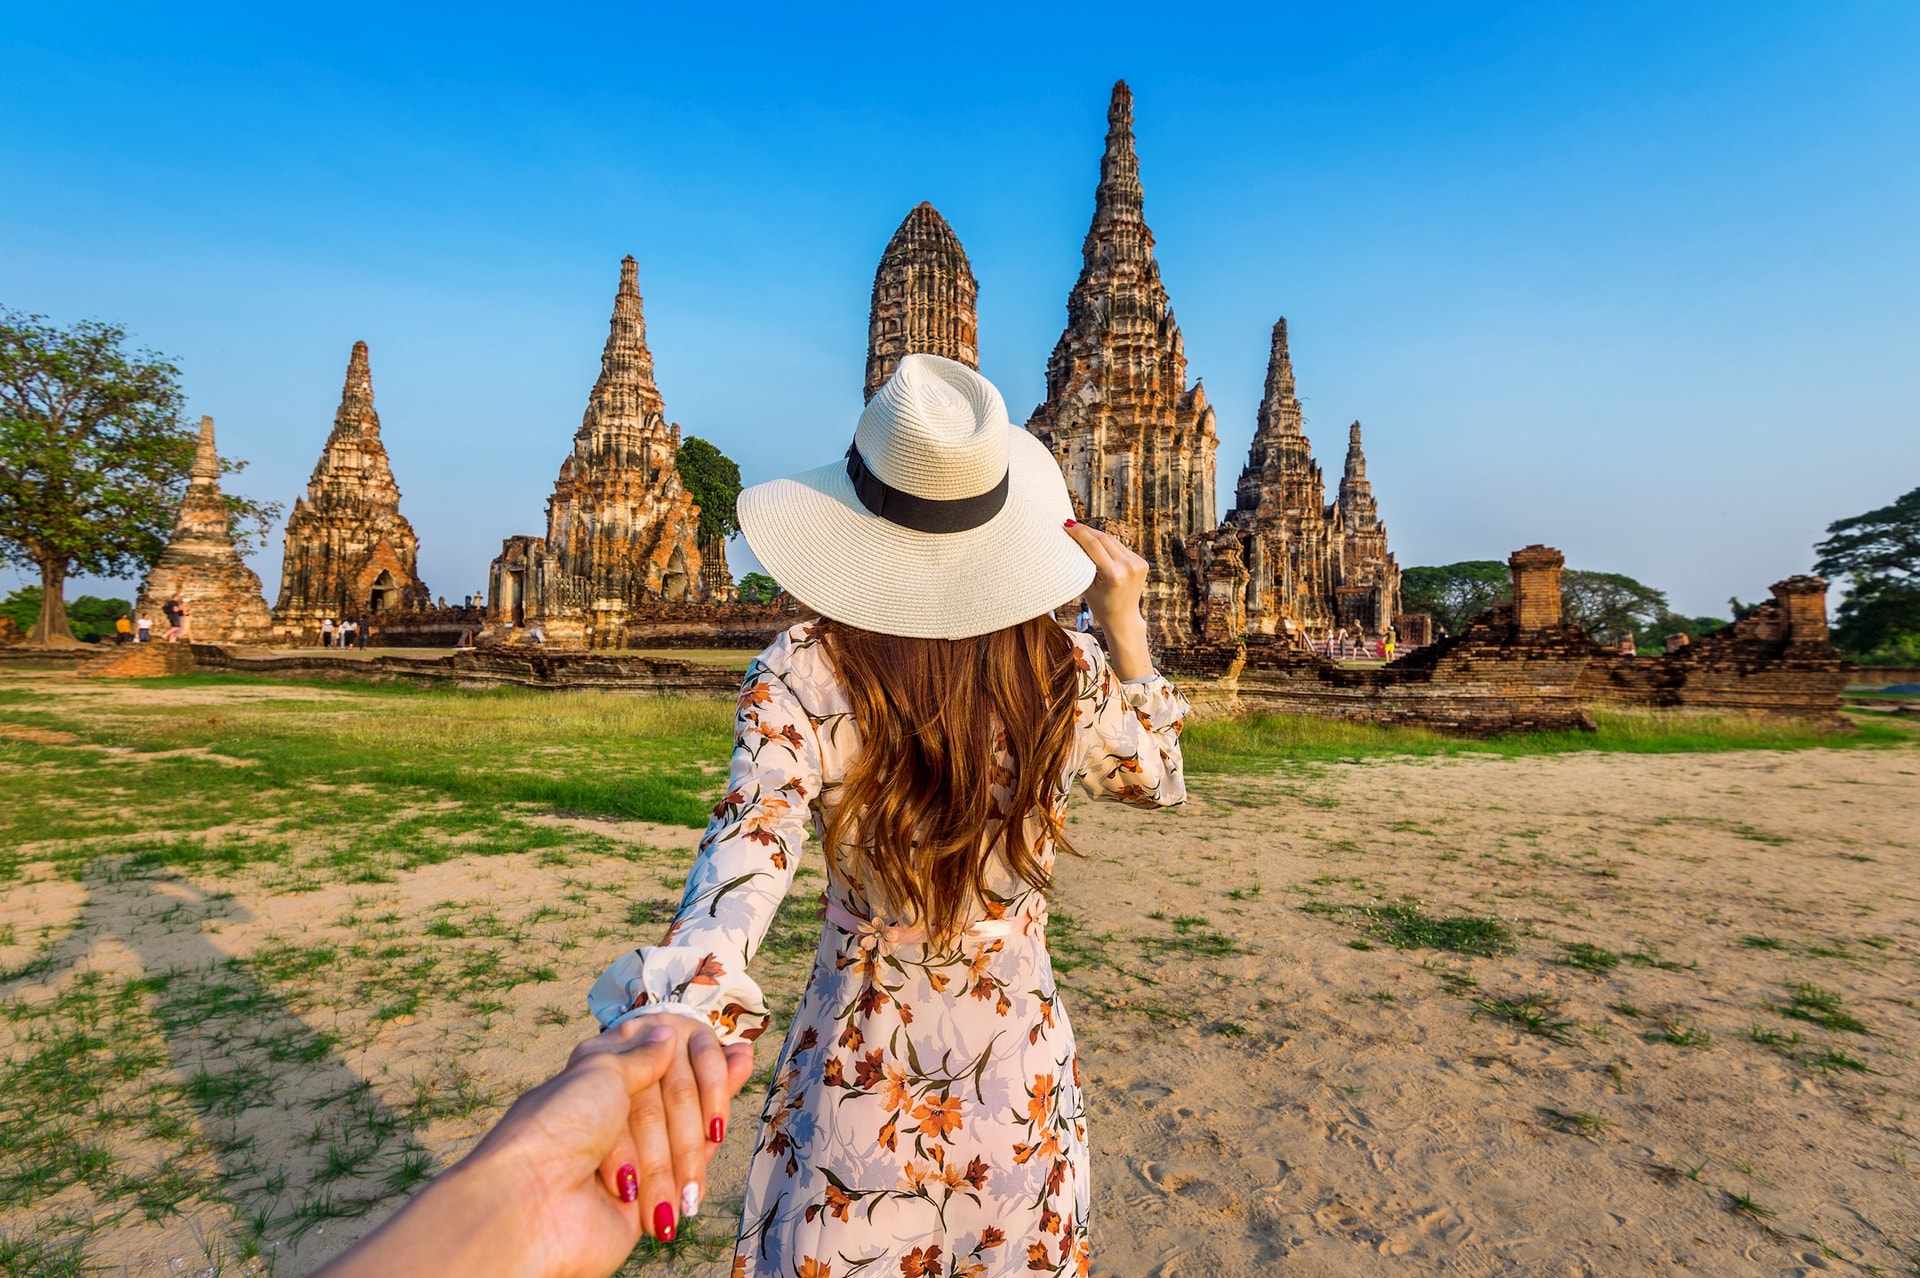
(1303, 1106)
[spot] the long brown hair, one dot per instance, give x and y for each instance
(918, 801)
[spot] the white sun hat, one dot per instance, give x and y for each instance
(944, 520)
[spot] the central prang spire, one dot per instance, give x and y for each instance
(1135, 441)
(1119, 198)
(625, 401)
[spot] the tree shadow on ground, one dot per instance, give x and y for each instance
(151, 1075)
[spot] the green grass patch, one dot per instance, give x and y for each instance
(1534, 1013)
(1406, 925)
(1590, 958)
(1256, 742)
(1822, 1007)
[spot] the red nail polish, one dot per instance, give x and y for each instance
(1070, 523)
(629, 1182)
(717, 1130)
(663, 1222)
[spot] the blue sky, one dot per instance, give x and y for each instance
(1641, 281)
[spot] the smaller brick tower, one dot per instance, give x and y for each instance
(202, 565)
(349, 550)
(924, 298)
(1536, 587)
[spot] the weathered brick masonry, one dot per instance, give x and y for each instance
(1519, 668)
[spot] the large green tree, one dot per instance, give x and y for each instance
(758, 588)
(1879, 554)
(90, 616)
(714, 480)
(1609, 604)
(94, 457)
(1454, 594)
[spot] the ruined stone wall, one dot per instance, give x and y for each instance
(497, 667)
(1518, 668)
(1778, 661)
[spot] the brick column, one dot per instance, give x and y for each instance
(1536, 587)
(1803, 600)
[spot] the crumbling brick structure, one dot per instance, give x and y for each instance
(349, 550)
(622, 531)
(924, 299)
(1520, 668)
(203, 567)
(1778, 660)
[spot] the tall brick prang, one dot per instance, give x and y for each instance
(1135, 442)
(924, 298)
(349, 551)
(622, 530)
(203, 567)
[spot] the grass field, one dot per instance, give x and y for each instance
(363, 840)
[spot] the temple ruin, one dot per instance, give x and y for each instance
(203, 567)
(1135, 442)
(622, 531)
(924, 298)
(349, 551)
(1137, 445)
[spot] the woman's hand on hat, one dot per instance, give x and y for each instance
(674, 1129)
(1119, 581)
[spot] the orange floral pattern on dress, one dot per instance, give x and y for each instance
(925, 1116)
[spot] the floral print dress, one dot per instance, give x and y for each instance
(925, 1117)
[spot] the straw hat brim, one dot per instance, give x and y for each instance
(812, 534)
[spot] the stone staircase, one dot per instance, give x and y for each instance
(141, 661)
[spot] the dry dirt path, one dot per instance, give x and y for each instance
(1275, 1089)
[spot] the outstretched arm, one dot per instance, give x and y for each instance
(551, 1191)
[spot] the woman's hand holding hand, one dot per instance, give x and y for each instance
(1119, 581)
(674, 1128)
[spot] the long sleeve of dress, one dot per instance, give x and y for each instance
(1129, 734)
(745, 865)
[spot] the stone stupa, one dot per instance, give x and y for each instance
(203, 566)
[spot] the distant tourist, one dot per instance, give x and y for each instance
(535, 634)
(1676, 642)
(123, 629)
(1628, 645)
(348, 629)
(326, 633)
(1084, 622)
(361, 631)
(1387, 646)
(143, 630)
(176, 613)
(467, 602)
(940, 982)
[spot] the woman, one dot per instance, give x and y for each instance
(925, 1115)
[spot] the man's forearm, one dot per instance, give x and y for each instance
(469, 1221)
